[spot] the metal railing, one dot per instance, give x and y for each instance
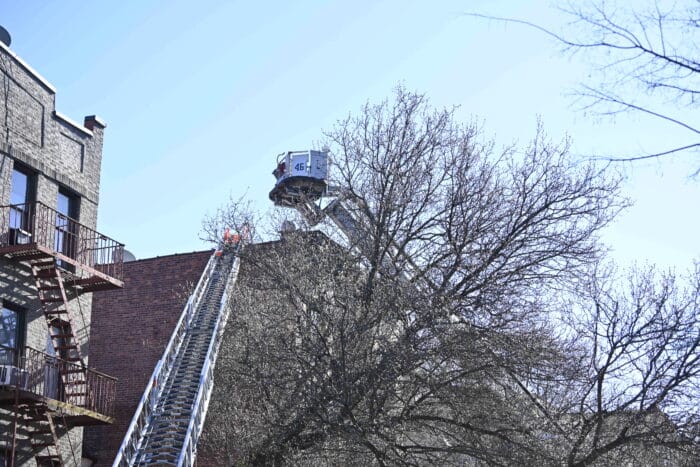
(71, 241)
(129, 447)
(206, 379)
(47, 376)
(8, 355)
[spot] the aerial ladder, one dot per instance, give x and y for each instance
(170, 415)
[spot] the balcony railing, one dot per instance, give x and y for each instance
(46, 376)
(36, 224)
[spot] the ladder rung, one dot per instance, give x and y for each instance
(52, 458)
(33, 411)
(46, 273)
(41, 445)
(55, 312)
(59, 323)
(51, 299)
(61, 336)
(67, 347)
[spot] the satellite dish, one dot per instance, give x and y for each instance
(5, 36)
(129, 256)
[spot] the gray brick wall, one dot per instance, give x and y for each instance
(62, 154)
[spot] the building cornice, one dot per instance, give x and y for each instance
(35, 74)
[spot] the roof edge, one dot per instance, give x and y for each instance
(43, 81)
(153, 258)
(72, 123)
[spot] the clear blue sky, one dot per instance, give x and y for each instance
(199, 97)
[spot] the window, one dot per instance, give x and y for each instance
(21, 194)
(20, 187)
(68, 204)
(11, 334)
(66, 241)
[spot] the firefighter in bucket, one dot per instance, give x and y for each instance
(232, 240)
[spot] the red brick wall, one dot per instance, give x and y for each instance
(130, 329)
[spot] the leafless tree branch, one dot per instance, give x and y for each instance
(640, 47)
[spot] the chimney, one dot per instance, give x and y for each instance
(93, 121)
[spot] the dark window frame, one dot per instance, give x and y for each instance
(67, 225)
(74, 202)
(20, 329)
(31, 174)
(20, 217)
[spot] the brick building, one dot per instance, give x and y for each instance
(51, 260)
(143, 315)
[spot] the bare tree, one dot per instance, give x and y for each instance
(237, 215)
(644, 58)
(640, 383)
(438, 340)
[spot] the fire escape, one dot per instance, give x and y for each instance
(49, 393)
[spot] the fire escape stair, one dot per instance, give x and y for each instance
(41, 432)
(43, 435)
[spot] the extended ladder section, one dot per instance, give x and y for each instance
(170, 416)
(347, 214)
